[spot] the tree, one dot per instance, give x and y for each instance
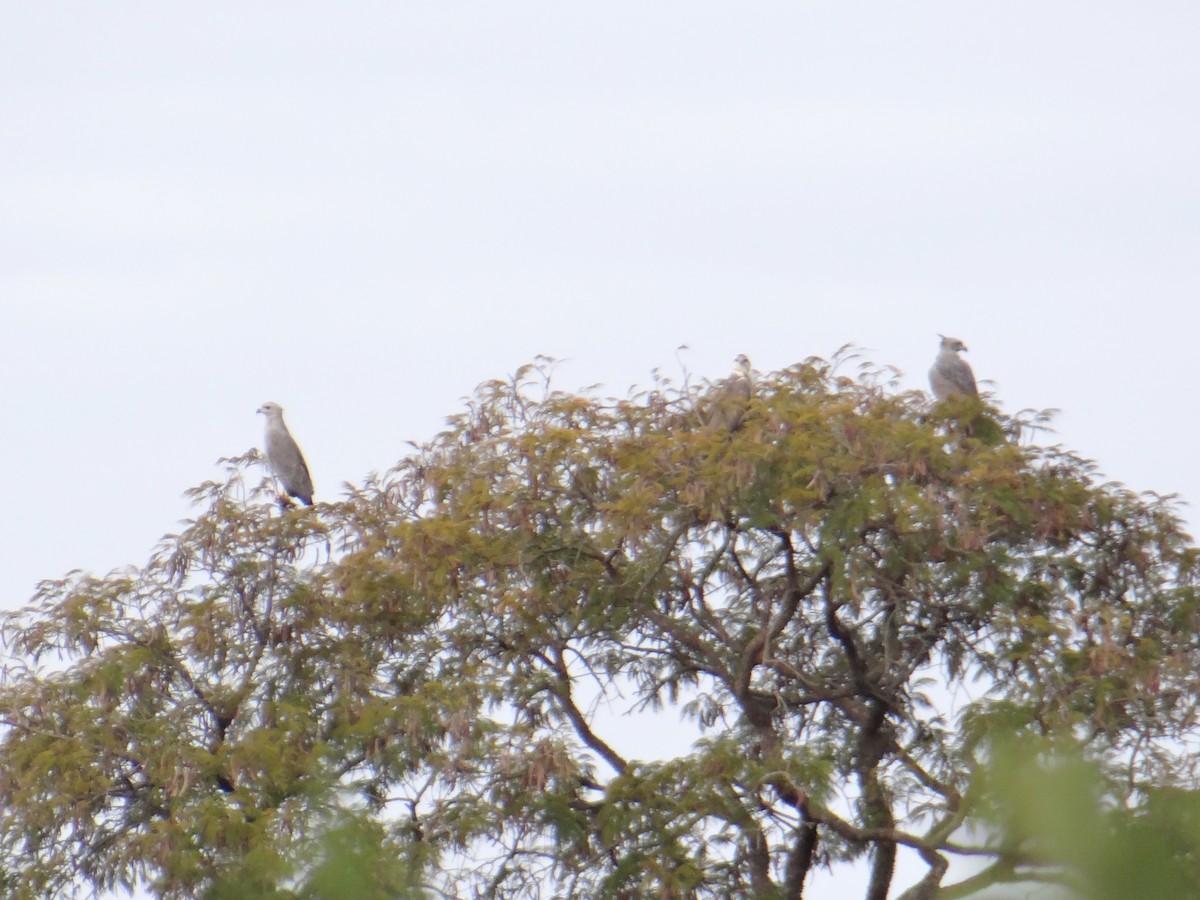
(849, 597)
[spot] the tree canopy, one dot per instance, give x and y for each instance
(846, 600)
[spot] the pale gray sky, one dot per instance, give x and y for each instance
(361, 211)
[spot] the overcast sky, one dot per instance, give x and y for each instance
(360, 211)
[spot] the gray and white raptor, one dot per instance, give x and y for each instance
(950, 375)
(284, 456)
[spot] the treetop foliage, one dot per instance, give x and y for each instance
(846, 598)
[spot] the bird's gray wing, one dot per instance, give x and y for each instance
(729, 404)
(287, 462)
(951, 375)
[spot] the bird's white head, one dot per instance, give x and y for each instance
(271, 410)
(741, 364)
(953, 344)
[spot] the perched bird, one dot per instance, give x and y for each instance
(284, 456)
(732, 397)
(950, 375)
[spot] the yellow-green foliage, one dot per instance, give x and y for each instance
(419, 688)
